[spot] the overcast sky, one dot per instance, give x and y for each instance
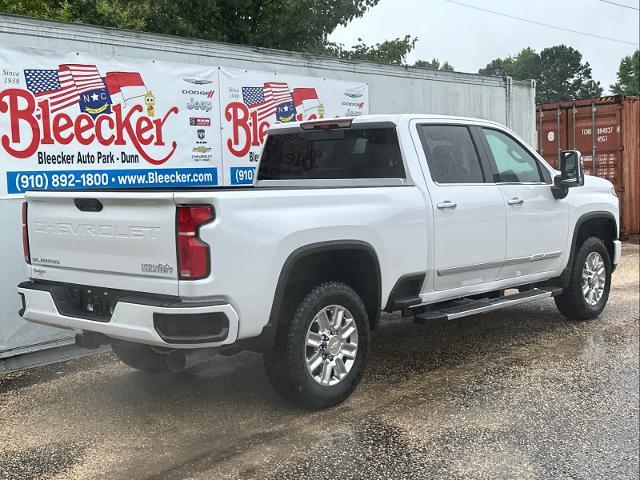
(469, 39)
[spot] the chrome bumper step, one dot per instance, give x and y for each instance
(472, 307)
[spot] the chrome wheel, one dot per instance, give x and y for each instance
(331, 345)
(593, 278)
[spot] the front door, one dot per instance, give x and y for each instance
(537, 223)
(469, 212)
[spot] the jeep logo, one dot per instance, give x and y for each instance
(203, 105)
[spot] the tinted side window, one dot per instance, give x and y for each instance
(451, 154)
(513, 162)
(332, 154)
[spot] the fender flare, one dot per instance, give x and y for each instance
(267, 336)
(565, 276)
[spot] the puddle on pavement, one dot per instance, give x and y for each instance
(368, 449)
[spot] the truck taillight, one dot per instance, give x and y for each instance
(25, 234)
(193, 253)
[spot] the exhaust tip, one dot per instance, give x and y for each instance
(177, 361)
(181, 360)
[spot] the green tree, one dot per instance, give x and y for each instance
(31, 8)
(434, 64)
(522, 66)
(628, 75)
(298, 25)
(498, 67)
(390, 51)
(526, 64)
(563, 76)
(559, 72)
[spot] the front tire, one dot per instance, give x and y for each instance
(318, 361)
(588, 291)
(141, 357)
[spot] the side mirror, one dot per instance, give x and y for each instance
(571, 173)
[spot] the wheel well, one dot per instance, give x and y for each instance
(596, 224)
(603, 228)
(353, 264)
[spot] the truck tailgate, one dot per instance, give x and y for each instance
(105, 239)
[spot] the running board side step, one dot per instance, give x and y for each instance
(473, 307)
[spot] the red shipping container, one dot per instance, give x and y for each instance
(607, 132)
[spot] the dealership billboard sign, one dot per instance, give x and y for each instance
(71, 121)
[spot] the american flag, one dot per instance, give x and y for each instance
(265, 99)
(62, 87)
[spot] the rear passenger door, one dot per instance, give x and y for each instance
(468, 208)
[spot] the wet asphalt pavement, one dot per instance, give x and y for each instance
(514, 394)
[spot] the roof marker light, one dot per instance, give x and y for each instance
(327, 124)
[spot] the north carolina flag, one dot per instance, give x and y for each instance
(272, 97)
(125, 85)
(306, 100)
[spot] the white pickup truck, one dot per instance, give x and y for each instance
(436, 217)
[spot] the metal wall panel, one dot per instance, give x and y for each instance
(521, 118)
(392, 89)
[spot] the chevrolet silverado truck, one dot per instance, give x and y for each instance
(434, 217)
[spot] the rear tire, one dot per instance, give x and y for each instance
(320, 358)
(141, 357)
(588, 291)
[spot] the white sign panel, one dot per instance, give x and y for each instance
(74, 122)
(71, 121)
(250, 101)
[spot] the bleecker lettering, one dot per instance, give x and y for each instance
(9, 100)
(102, 140)
(62, 123)
(246, 129)
(47, 128)
(238, 114)
(57, 159)
(143, 126)
(84, 123)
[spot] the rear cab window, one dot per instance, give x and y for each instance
(451, 154)
(350, 153)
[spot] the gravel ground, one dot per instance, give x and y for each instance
(514, 394)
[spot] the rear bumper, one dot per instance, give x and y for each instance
(137, 320)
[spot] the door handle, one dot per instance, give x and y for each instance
(515, 201)
(447, 204)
